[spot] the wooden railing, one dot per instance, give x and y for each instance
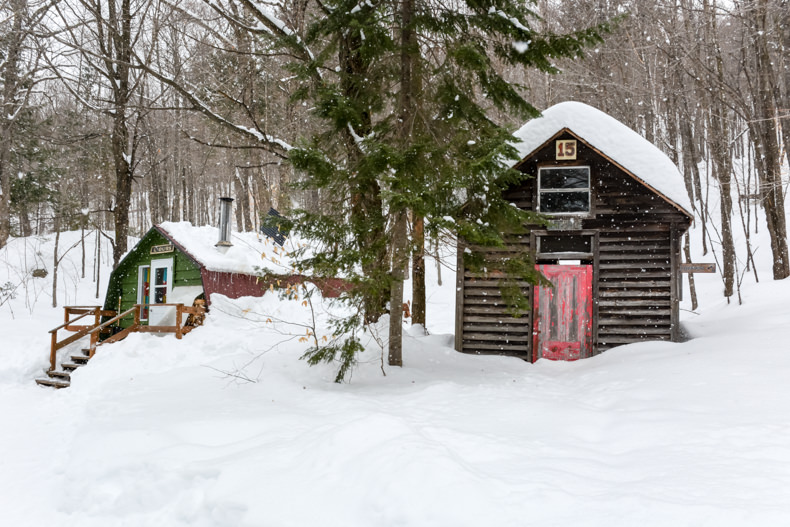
(80, 331)
(137, 327)
(95, 332)
(97, 328)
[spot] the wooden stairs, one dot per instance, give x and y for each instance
(62, 378)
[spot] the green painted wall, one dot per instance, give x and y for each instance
(123, 280)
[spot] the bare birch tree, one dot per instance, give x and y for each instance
(110, 38)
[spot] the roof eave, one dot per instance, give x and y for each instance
(564, 130)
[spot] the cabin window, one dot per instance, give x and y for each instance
(160, 285)
(564, 190)
(144, 289)
(564, 245)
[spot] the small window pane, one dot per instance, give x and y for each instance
(556, 202)
(565, 244)
(160, 295)
(565, 178)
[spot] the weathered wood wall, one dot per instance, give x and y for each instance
(636, 253)
(483, 322)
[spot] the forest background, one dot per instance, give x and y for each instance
(122, 114)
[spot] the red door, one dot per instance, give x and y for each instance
(563, 315)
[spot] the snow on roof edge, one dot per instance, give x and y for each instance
(251, 253)
(625, 147)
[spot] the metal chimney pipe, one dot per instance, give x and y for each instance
(225, 205)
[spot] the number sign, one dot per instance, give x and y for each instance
(566, 150)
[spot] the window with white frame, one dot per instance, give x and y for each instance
(564, 190)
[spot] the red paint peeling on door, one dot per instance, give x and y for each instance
(563, 315)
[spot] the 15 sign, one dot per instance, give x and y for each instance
(566, 150)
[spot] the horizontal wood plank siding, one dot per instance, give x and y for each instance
(634, 293)
(487, 327)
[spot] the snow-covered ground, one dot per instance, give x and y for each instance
(161, 432)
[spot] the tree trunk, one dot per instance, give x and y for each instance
(367, 209)
(123, 184)
(186, 194)
(722, 169)
(400, 257)
(158, 199)
(418, 307)
(764, 133)
(82, 244)
(719, 152)
(55, 262)
(97, 262)
(690, 158)
(400, 245)
(784, 27)
(692, 285)
(117, 60)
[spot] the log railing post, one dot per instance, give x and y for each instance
(53, 351)
(94, 342)
(137, 309)
(179, 313)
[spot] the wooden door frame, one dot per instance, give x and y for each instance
(170, 267)
(170, 264)
(140, 287)
(596, 263)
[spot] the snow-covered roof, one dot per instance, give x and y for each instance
(628, 149)
(250, 253)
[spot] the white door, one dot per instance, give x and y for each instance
(161, 288)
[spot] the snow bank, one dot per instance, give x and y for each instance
(228, 427)
(626, 147)
(26, 312)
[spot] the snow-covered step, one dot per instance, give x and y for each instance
(60, 375)
(70, 366)
(53, 383)
(80, 359)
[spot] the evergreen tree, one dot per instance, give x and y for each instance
(406, 98)
(31, 161)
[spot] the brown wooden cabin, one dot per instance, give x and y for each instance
(618, 208)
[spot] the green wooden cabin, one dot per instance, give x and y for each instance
(178, 263)
(156, 271)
